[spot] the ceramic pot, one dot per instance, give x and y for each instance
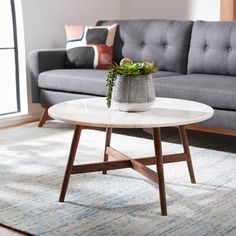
(133, 93)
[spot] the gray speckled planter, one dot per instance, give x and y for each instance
(133, 93)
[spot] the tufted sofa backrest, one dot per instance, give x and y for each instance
(165, 42)
(213, 48)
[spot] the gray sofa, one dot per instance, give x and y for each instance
(196, 60)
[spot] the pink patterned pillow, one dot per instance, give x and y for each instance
(90, 46)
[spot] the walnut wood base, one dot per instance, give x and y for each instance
(123, 161)
(44, 116)
(211, 130)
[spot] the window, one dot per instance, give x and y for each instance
(9, 72)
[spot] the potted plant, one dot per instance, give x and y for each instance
(130, 85)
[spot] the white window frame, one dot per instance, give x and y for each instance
(21, 116)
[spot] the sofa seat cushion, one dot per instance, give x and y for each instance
(87, 81)
(215, 90)
(164, 74)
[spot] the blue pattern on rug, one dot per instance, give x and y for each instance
(32, 165)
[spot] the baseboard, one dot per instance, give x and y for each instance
(18, 120)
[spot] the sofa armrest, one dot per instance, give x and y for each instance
(42, 60)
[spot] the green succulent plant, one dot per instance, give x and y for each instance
(126, 68)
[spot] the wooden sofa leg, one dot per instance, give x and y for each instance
(44, 116)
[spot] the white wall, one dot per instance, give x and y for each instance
(171, 9)
(204, 10)
(44, 22)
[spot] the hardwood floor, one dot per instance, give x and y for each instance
(5, 231)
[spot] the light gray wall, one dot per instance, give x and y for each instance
(171, 9)
(44, 22)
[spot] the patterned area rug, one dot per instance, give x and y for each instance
(32, 164)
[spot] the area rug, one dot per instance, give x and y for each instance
(32, 164)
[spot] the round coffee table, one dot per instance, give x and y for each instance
(166, 112)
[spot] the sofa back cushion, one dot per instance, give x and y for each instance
(213, 48)
(165, 42)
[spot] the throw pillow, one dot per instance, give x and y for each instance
(89, 46)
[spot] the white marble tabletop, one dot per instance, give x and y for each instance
(165, 112)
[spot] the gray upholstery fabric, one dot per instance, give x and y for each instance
(164, 74)
(50, 97)
(165, 42)
(213, 48)
(222, 119)
(80, 80)
(215, 90)
(87, 81)
(43, 60)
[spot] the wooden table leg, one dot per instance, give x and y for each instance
(184, 138)
(70, 162)
(44, 116)
(160, 170)
(107, 144)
